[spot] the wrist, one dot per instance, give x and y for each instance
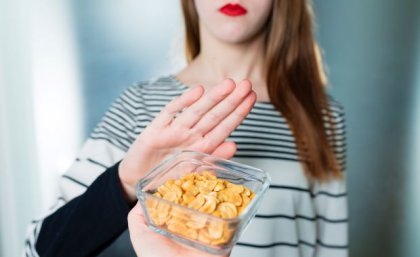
(128, 185)
(130, 193)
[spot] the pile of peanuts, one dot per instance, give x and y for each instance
(203, 192)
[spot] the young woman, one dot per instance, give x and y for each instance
(283, 123)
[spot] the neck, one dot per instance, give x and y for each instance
(237, 61)
(219, 60)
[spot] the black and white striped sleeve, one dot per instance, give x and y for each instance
(90, 192)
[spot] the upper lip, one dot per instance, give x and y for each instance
(233, 9)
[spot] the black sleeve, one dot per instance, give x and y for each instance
(88, 223)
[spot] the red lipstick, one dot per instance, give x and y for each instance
(233, 10)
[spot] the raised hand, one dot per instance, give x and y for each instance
(194, 121)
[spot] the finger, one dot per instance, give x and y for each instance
(166, 116)
(225, 150)
(224, 108)
(137, 209)
(219, 133)
(194, 113)
(136, 224)
(144, 240)
(136, 218)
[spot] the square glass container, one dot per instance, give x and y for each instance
(192, 227)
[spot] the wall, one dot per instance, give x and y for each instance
(40, 118)
(372, 49)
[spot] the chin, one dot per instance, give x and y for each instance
(233, 39)
(233, 35)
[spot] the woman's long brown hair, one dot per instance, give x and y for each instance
(295, 80)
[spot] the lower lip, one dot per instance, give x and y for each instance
(233, 11)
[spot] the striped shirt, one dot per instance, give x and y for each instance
(298, 217)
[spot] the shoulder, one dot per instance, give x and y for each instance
(336, 109)
(338, 130)
(336, 115)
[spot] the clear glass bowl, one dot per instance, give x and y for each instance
(189, 226)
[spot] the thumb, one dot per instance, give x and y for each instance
(136, 223)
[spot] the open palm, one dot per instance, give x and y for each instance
(194, 121)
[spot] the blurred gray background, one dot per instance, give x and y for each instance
(84, 53)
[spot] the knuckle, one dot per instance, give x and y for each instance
(213, 116)
(214, 98)
(196, 112)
